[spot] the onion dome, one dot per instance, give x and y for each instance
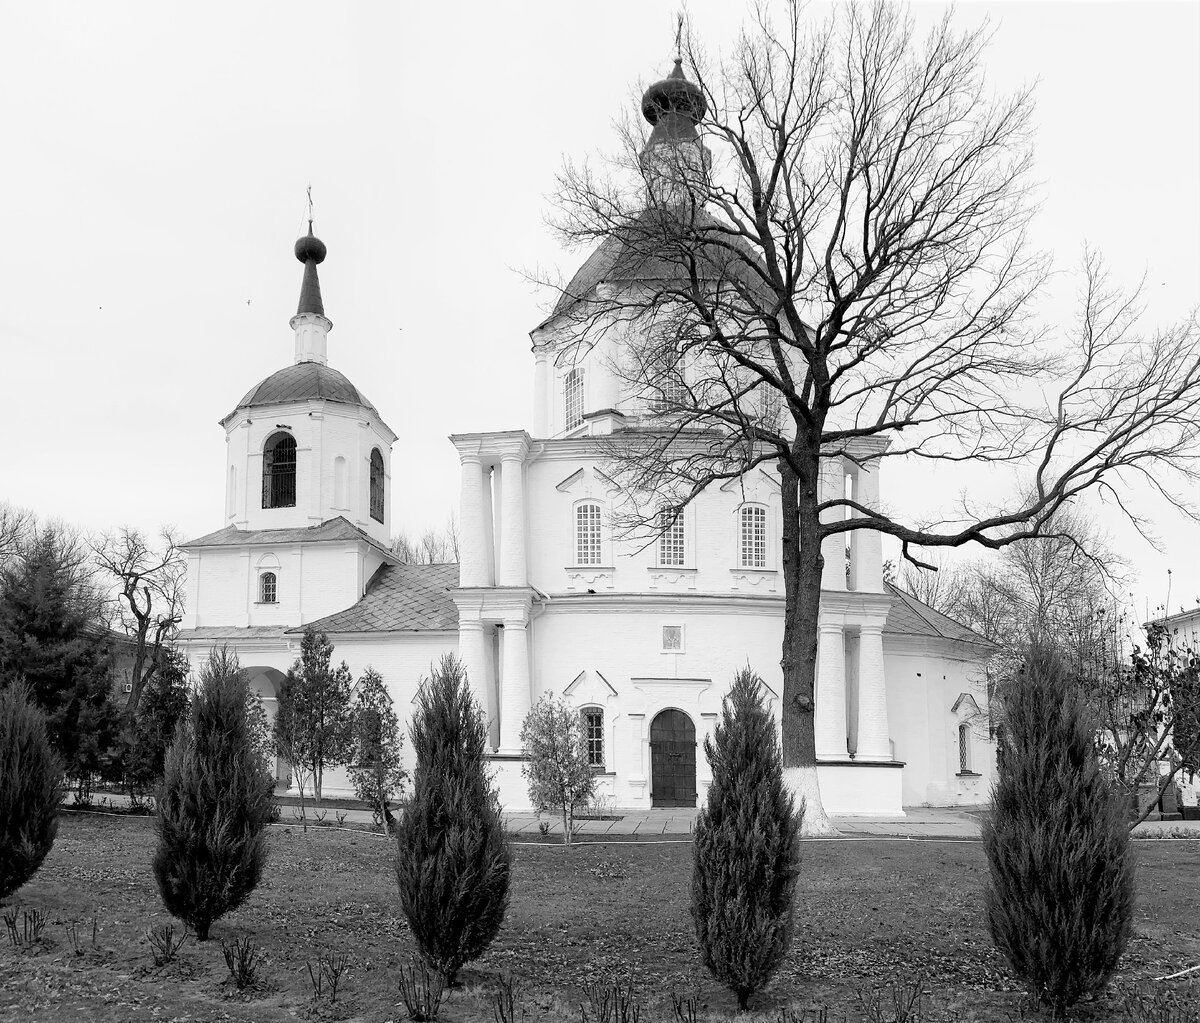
(674, 106)
(310, 250)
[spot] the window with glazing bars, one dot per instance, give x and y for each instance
(753, 546)
(593, 734)
(279, 472)
(587, 534)
(670, 541)
(770, 402)
(573, 399)
(377, 485)
(267, 588)
(668, 387)
(964, 748)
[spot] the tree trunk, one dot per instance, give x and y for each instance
(317, 783)
(202, 930)
(566, 825)
(802, 567)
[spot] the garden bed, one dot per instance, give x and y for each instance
(865, 910)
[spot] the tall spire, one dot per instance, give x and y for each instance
(311, 325)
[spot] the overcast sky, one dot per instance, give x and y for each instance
(154, 171)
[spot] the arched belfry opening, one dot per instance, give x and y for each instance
(279, 471)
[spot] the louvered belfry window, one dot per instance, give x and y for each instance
(376, 485)
(587, 534)
(279, 471)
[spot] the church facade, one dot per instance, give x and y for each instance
(642, 637)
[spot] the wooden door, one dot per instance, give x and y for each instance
(672, 760)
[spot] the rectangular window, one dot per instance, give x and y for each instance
(593, 734)
(587, 534)
(573, 399)
(964, 748)
(770, 403)
(672, 639)
(670, 542)
(668, 386)
(753, 537)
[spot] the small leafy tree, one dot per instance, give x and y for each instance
(1061, 892)
(375, 770)
(312, 718)
(31, 788)
(558, 770)
(746, 856)
(213, 804)
(163, 705)
(453, 858)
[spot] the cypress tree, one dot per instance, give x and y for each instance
(452, 862)
(214, 803)
(746, 855)
(1061, 893)
(31, 788)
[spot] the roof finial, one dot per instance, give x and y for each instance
(310, 250)
(679, 38)
(310, 211)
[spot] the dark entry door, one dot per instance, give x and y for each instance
(672, 760)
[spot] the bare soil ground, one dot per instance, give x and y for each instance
(867, 910)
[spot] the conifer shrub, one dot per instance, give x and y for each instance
(746, 856)
(452, 858)
(1061, 892)
(213, 804)
(31, 788)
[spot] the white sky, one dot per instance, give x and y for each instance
(155, 161)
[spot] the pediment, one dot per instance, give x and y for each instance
(965, 706)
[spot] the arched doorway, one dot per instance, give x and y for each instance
(672, 760)
(266, 682)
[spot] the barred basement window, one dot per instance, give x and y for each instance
(593, 734)
(573, 399)
(267, 588)
(587, 534)
(279, 471)
(376, 485)
(670, 542)
(752, 535)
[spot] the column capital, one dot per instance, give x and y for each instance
(470, 625)
(515, 623)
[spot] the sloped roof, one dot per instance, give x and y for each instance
(400, 598)
(304, 381)
(330, 531)
(215, 632)
(909, 617)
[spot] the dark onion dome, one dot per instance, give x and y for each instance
(304, 381)
(674, 106)
(310, 250)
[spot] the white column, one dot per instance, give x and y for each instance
(873, 734)
(512, 522)
(830, 721)
(833, 485)
(473, 538)
(868, 543)
(489, 529)
(514, 684)
(541, 393)
(474, 658)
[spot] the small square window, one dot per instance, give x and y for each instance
(672, 639)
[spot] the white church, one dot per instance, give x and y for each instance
(643, 639)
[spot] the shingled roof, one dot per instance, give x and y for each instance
(302, 382)
(400, 598)
(329, 531)
(909, 617)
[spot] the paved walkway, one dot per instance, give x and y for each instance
(919, 822)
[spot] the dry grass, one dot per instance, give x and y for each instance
(865, 910)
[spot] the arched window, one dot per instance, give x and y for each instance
(376, 485)
(752, 536)
(592, 720)
(964, 748)
(267, 589)
(587, 534)
(671, 552)
(573, 399)
(279, 471)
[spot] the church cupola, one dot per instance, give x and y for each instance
(311, 325)
(674, 153)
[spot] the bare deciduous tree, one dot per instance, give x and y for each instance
(148, 579)
(820, 253)
(433, 547)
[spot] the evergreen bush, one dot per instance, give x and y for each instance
(452, 862)
(376, 769)
(558, 771)
(214, 803)
(31, 788)
(746, 856)
(1061, 893)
